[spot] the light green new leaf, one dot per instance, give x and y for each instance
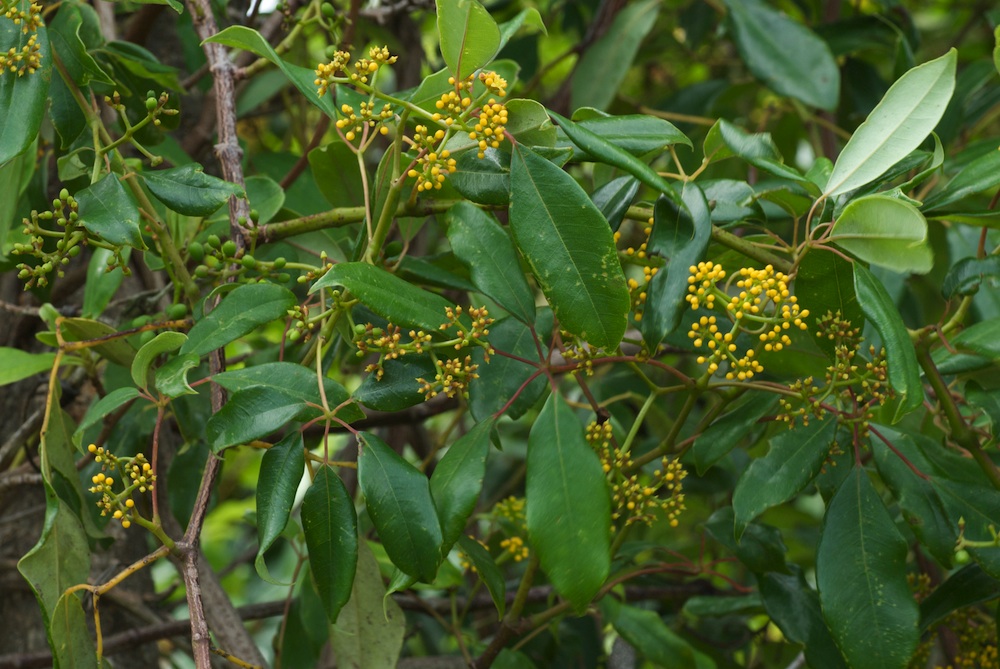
(570, 248)
(401, 508)
(250, 414)
(242, 311)
(605, 63)
(189, 191)
(793, 461)
(469, 36)
(22, 98)
(784, 54)
(165, 342)
(280, 473)
(369, 631)
(485, 247)
(901, 357)
(16, 364)
(885, 231)
(907, 113)
(386, 294)
(457, 481)
(302, 78)
(331, 528)
(861, 574)
(568, 506)
(108, 211)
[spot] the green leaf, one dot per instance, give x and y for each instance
(784, 54)
(605, 63)
(15, 176)
(250, 414)
(529, 17)
(401, 508)
(981, 174)
(792, 462)
(469, 36)
(331, 528)
(606, 152)
(969, 586)
(398, 388)
(280, 473)
(722, 436)
(487, 570)
(295, 381)
(175, 5)
(171, 377)
(22, 98)
(189, 191)
(265, 195)
(335, 169)
(113, 346)
(825, 283)
(982, 338)
(60, 559)
(108, 211)
(302, 78)
(241, 312)
(968, 274)
(390, 297)
(480, 243)
(503, 376)
(64, 33)
(457, 481)
(105, 406)
(570, 249)
(760, 548)
(370, 629)
(794, 608)
(680, 233)
(861, 574)
(637, 134)
(901, 357)
(758, 149)
(69, 636)
(568, 507)
(101, 285)
(482, 180)
(899, 123)
(885, 231)
(648, 634)
(165, 342)
(614, 199)
(529, 123)
(16, 364)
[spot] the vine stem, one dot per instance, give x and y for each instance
(510, 619)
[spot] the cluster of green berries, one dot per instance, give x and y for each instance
(638, 497)
(763, 308)
(219, 259)
(65, 213)
(136, 474)
(27, 58)
(639, 290)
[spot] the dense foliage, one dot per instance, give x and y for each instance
(552, 334)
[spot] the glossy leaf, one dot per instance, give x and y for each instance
(370, 629)
(112, 346)
(16, 364)
(64, 34)
(825, 283)
(568, 507)
(681, 233)
(861, 574)
(335, 169)
(482, 180)
(22, 98)
(295, 381)
(189, 191)
(648, 634)
(398, 388)
(165, 342)
(982, 338)
(109, 212)
(302, 78)
(480, 243)
(885, 231)
(967, 275)
(614, 199)
(637, 134)
(899, 123)
(766, 38)
(394, 299)
(331, 529)
(792, 462)
(981, 174)
(794, 608)
(457, 482)
(469, 36)
(725, 139)
(605, 63)
(504, 376)
(101, 285)
(722, 436)
(241, 312)
(401, 508)
(250, 414)
(901, 357)
(968, 586)
(280, 473)
(487, 570)
(569, 247)
(171, 377)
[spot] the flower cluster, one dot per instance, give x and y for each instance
(326, 73)
(763, 308)
(28, 58)
(638, 498)
(452, 378)
(490, 128)
(360, 73)
(510, 513)
(639, 290)
(455, 102)
(356, 122)
(388, 342)
(433, 163)
(137, 474)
